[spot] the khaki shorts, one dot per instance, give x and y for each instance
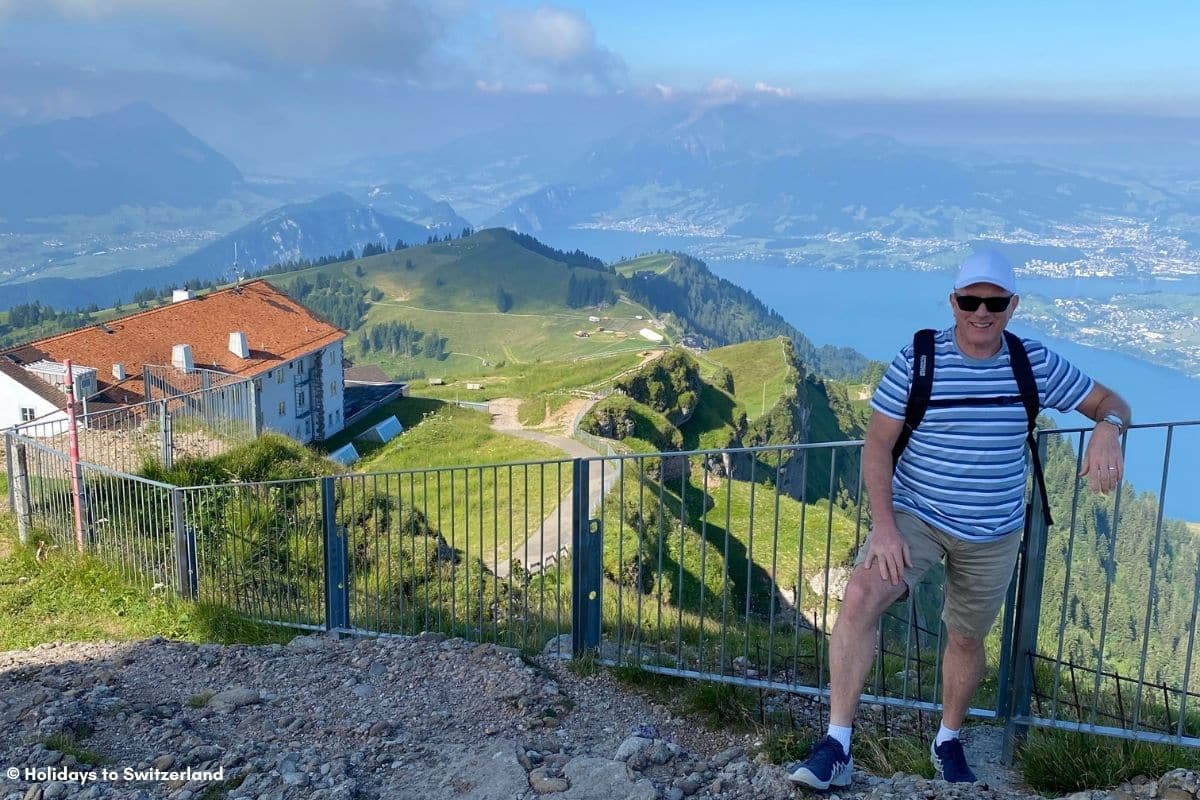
(977, 573)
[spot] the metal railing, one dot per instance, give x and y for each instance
(200, 423)
(1105, 639)
(724, 565)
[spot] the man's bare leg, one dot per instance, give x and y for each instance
(852, 646)
(962, 669)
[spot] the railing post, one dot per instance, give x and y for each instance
(1028, 613)
(164, 432)
(19, 484)
(255, 416)
(337, 583)
(586, 561)
(185, 548)
(8, 463)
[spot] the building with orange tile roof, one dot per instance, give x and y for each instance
(250, 331)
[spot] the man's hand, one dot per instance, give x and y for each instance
(1103, 464)
(888, 549)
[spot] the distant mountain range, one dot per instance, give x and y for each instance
(329, 225)
(133, 156)
(736, 170)
(326, 226)
(412, 205)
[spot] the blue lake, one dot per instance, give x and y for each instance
(876, 313)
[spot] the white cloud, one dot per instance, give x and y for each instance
(560, 40)
(723, 89)
(763, 88)
(489, 87)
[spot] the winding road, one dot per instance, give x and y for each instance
(552, 539)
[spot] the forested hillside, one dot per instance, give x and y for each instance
(1106, 546)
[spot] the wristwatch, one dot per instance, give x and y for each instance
(1114, 419)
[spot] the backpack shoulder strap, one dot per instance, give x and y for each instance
(919, 390)
(1027, 387)
(1023, 372)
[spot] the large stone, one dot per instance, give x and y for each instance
(600, 779)
(632, 746)
(232, 699)
(544, 783)
(491, 773)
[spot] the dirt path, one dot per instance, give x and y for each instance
(552, 539)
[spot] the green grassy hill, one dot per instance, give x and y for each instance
(492, 299)
(760, 373)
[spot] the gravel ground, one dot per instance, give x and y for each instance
(405, 717)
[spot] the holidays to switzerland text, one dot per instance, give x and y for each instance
(125, 774)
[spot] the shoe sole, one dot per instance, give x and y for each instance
(804, 777)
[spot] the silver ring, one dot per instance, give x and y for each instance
(1112, 467)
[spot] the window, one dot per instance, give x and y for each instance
(331, 419)
(282, 408)
(279, 377)
(28, 414)
(300, 398)
(332, 388)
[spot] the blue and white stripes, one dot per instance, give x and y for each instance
(964, 468)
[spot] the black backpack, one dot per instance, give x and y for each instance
(921, 390)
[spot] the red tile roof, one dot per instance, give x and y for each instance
(278, 329)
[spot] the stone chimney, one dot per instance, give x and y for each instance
(238, 344)
(181, 357)
(119, 371)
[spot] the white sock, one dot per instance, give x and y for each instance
(842, 734)
(944, 735)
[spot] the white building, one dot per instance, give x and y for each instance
(249, 331)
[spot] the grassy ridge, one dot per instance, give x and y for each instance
(760, 373)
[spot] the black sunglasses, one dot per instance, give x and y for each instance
(970, 303)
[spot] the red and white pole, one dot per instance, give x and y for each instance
(76, 478)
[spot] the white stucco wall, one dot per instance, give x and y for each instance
(287, 392)
(14, 397)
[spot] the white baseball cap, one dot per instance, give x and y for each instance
(987, 266)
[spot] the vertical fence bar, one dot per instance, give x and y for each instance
(1029, 603)
(19, 484)
(8, 463)
(337, 584)
(585, 566)
(185, 548)
(77, 498)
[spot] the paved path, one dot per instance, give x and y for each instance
(552, 539)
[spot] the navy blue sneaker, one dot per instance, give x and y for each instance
(827, 765)
(950, 762)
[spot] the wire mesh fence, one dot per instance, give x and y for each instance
(196, 424)
(730, 565)
(725, 565)
(1114, 589)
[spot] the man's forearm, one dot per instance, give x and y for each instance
(877, 474)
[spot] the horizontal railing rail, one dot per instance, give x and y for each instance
(724, 564)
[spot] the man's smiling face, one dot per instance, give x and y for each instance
(980, 332)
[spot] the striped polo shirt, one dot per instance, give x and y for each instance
(963, 471)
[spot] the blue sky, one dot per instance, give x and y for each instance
(257, 77)
(1108, 52)
(1117, 55)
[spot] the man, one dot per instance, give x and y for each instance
(956, 492)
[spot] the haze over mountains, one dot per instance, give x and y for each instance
(133, 156)
(758, 180)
